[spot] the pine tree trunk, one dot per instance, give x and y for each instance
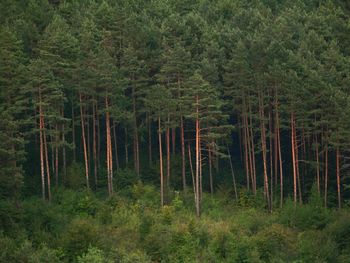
(136, 137)
(94, 146)
(47, 162)
(115, 147)
(297, 163)
(271, 154)
(98, 137)
(126, 147)
(326, 175)
(41, 130)
(149, 139)
(278, 138)
(232, 173)
(317, 166)
(173, 139)
(161, 164)
(210, 171)
(183, 163)
(73, 135)
(192, 174)
(198, 211)
(84, 143)
(64, 160)
(294, 159)
(109, 149)
(263, 147)
(56, 155)
(252, 149)
(168, 154)
(338, 176)
(248, 163)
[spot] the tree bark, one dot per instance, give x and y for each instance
(84, 143)
(41, 130)
(232, 173)
(338, 176)
(263, 147)
(210, 171)
(161, 164)
(109, 150)
(198, 211)
(183, 163)
(94, 146)
(115, 146)
(168, 154)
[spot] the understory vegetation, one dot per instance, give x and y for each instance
(130, 226)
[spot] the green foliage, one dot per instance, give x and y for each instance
(306, 216)
(75, 176)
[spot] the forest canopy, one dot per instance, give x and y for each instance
(114, 114)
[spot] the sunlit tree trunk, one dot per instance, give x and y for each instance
(161, 164)
(183, 163)
(198, 211)
(263, 147)
(84, 143)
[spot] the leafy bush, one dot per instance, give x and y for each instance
(75, 177)
(303, 217)
(78, 237)
(316, 246)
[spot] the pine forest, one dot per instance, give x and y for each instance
(174, 131)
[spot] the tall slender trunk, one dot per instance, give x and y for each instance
(192, 174)
(240, 140)
(271, 154)
(183, 161)
(149, 122)
(64, 160)
(293, 158)
(317, 166)
(115, 147)
(136, 137)
(173, 139)
(248, 163)
(88, 136)
(41, 130)
(47, 162)
(252, 148)
(326, 175)
(161, 164)
(198, 211)
(278, 138)
(94, 146)
(233, 174)
(73, 135)
(56, 154)
(263, 147)
(168, 153)
(98, 128)
(210, 171)
(109, 149)
(126, 146)
(84, 142)
(297, 163)
(338, 176)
